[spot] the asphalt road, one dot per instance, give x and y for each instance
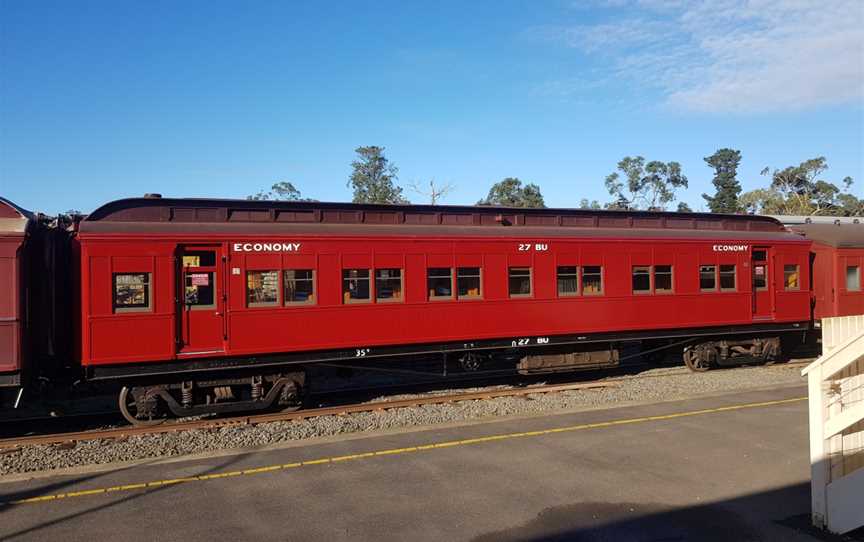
(711, 468)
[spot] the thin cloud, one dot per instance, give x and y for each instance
(733, 55)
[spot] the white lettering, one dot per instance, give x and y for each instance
(266, 247)
(730, 248)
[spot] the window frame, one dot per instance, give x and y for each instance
(125, 309)
(649, 271)
(369, 279)
(857, 287)
(314, 301)
(797, 272)
(263, 304)
(577, 275)
(530, 293)
(734, 272)
(715, 277)
(452, 277)
(671, 274)
(582, 274)
(374, 293)
(479, 276)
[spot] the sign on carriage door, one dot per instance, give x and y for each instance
(762, 283)
(200, 300)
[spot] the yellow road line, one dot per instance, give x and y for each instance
(395, 451)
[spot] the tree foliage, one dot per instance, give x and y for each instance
(373, 176)
(510, 193)
(725, 199)
(649, 186)
(800, 190)
(593, 204)
(281, 191)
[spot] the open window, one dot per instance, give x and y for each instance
(592, 280)
(519, 281)
(388, 284)
(439, 282)
(299, 286)
(468, 282)
(568, 280)
(355, 286)
(708, 278)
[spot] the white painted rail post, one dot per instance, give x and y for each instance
(835, 384)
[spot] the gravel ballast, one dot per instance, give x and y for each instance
(655, 385)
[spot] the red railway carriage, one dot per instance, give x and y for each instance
(174, 289)
(15, 228)
(838, 265)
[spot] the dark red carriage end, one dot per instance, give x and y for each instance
(838, 263)
(15, 224)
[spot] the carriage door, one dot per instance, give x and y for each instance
(201, 303)
(762, 297)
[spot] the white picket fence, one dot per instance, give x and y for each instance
(836, 399)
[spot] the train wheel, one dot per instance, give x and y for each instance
(130, 407)
(695, 361)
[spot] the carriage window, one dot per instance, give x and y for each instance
(519, 281)
(199, 258)
(388, 284)
(355, 285)
(131, 292)
(641, 279)
(592, 280)
(663, 279)
(199, 290)
(760, 281)
(727, 278)
(468, 282)
(708, 278)
(262, 288)
(790, 277)
(299, 286)
(439, 281)
(853, 278)
(568, 280)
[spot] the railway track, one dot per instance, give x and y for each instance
(254, 419)
(9, 445)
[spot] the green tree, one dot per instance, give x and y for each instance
(511, 193)
(593, 204)
(373, 176)
(281, 191)
(649, 186)
(799, 190)
(684, 208)
(725, 199)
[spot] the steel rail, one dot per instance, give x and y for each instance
(117, 433)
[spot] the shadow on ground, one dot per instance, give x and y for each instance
(781, 514)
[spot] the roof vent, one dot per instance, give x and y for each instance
(152, 196)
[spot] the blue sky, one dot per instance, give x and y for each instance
(103, 100)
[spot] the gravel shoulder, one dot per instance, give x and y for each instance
(656, 385)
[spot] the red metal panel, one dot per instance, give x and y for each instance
(389, 260)
(439, 260)
(356, 261)
(331, 324)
